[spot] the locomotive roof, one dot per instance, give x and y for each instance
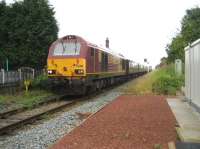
(107, 50)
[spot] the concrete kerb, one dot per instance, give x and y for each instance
(188, 120)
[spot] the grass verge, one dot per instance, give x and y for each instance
(24, 99)
(160, 81)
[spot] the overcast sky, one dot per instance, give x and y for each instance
(137, 29)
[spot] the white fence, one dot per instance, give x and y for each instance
(192, 73)
(9, 77)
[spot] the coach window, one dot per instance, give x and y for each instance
(92, 51)
(106, 62)
(123, 64)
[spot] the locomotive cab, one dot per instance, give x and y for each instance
(67, 58)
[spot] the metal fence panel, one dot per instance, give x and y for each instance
(11, 77)
(187, 75)
(18, 76)
(1, 77)
(192, 72)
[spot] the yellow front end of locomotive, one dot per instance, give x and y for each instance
(70, 67)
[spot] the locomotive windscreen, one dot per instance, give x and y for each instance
(67, 48)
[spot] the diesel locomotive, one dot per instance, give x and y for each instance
(83, 66)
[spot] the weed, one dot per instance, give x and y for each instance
(168, 83)
(24, 99)
(157, 146)
(41, 82)
(160, 81)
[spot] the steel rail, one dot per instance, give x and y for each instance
(13, 111)
(14, 121)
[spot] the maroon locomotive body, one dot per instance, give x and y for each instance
(87, 65)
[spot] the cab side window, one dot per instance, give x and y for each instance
(92, 51)
(123, 64)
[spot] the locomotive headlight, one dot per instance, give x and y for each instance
(50, 71)
(79, 71)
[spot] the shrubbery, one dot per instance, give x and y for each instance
(168, 82)
(167, 85)
(162, 81)
(41, 82)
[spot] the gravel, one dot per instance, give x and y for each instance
(44, 135)
(8, 107)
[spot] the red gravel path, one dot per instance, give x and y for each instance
(130, 122)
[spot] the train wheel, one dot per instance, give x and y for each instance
(97, 85)
(84, 90)
(102, 84)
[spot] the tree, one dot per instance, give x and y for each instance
(190, 31)
(30, 28)
(175, 50)
(3, 32)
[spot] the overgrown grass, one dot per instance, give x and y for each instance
(25, 99)
(142, 85)
(160, 81)
(36, 94)
(169, 82)
(40, 82)
(2, 100)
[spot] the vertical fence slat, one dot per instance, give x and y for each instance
(7, 77)
(2, 79)
(10, 80)
(3, 76)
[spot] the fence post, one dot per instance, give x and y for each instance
(33, 73)
(44, 71)
(3, 76)
(20, 74)
(178, 67)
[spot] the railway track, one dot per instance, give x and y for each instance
(13, 120)
(20, 109)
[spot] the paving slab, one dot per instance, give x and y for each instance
(188, 120)
(182, 145)
(188, 135)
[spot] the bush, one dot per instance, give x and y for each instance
(41, 82)
(168, 83)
